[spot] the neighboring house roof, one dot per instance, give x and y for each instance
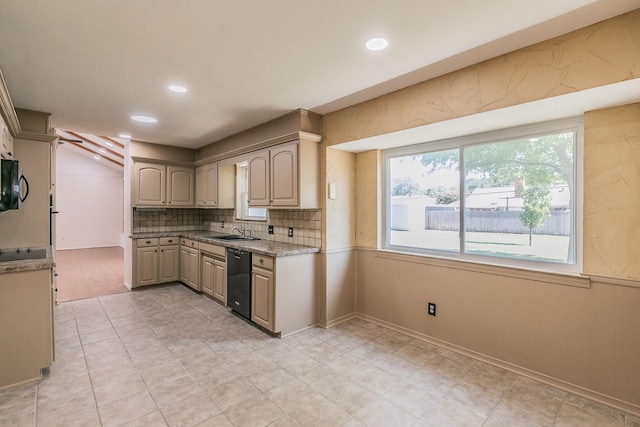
(499, 198)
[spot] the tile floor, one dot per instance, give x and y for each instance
(167, 356)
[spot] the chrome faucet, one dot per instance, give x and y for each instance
(240, 230)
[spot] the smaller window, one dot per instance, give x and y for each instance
(243, 211)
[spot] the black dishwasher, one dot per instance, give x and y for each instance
(239, 282)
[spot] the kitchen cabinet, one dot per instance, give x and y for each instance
(262, 293)
(213, 266)
(180, 186)
(283, 292)
(6, 141)
(157, 261)
(162, 185)
(215, 186)
(189, 263)
(285, 176)
(27, 333)
(149, 184)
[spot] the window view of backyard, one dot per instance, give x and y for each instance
(517, 199)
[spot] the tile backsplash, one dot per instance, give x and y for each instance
(306, 224)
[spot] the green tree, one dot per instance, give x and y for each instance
(404, 187)
(536, 207)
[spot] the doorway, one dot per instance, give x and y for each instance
(89, 225)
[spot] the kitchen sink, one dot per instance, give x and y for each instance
(231, 237)
(22, 254)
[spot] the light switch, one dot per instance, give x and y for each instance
(332, 190)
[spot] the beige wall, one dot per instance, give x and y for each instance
(583, 338)
(612, 192)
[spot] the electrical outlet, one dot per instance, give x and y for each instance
(290, 234)
(431, 309)
(221, 224)
(270, 229)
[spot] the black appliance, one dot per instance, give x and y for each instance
(10, 181)
(239, 282)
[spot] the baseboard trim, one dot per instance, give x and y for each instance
(337, 321)
(568, 387)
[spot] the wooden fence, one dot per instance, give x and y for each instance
(558, 223)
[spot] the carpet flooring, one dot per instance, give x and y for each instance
(89, 273)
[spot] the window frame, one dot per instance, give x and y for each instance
(242, 195)
(574, 124)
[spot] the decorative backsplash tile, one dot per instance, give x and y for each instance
(306, 224)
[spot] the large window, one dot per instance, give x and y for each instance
(510, 195)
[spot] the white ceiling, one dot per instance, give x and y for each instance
(93, 63)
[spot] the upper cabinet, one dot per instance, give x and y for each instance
(286, 175)
(161, 185)
(180, 186)
(6, 141)
(215, 186)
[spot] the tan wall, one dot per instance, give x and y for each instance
(29, 225)
(162, 153)
(612, 192)
(586, 337)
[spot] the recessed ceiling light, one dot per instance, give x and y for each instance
(103, 151)
(108, 144)
(377, 43)
(125, 136)
(96, 157)
(143, 119)
(177, 88)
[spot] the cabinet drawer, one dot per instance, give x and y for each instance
(189, 242)
(218, 251)
(262, 261)
(143, 243)
(168, 241)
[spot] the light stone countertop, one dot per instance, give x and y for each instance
(263, 247)
(29, 264)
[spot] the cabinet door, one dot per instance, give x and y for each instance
(211, 179)
(220, 280)
(193, 269)
(146, 266)
(259, 179)
(284, 175)
(200, 186)
(180, 186)
(208, 275)
(184, 264)
(169, 260)
(149, 184)
(262, 302)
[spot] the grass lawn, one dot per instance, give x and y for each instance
(543, 247)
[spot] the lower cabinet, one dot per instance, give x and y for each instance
(157, 261)
(189, 264)
(262, 292)
(283, 292)
(213, 267)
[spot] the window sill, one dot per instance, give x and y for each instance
(574, 280)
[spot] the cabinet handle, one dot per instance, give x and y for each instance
(170, 241)
(148, 242)
(261, 260)
(155, 250)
